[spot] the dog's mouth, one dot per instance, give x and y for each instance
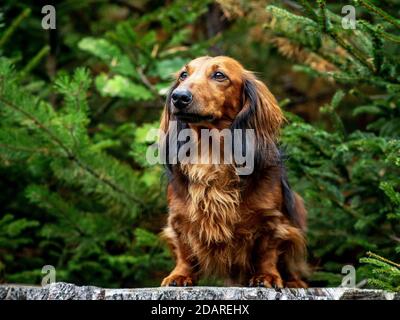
(193, 117)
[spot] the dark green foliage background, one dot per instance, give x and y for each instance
(76, 104)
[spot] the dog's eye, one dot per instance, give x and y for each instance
(219, 76)
(183, 75)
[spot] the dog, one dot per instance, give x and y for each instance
(249, 230)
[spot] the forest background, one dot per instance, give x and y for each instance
(77, 101)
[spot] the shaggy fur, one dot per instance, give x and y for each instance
(248, 229)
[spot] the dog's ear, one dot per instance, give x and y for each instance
(260, 109)
(164, 127)
(261, 112)
(172, 129)
(166, 114)
(164, 122)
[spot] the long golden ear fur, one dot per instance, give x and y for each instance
(164, 122)
(268, 116)
(165, 116)
(262, 113)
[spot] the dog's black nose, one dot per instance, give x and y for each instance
(181, 98)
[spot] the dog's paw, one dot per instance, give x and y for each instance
(266, 280)
(177, 280)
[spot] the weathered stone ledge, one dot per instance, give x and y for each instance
(67, 291)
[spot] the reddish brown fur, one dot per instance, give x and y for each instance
(216, 224)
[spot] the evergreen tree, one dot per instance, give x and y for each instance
(350, 179)
(76, 189)
(80, 194)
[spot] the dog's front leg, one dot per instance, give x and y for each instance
(265, 264)
(182, 274)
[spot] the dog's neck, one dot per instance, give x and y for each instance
(213, 195)
(213, 200)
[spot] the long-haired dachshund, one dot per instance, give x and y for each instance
(246, 229)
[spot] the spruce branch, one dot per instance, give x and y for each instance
(368, 5)
(323, 18)
(346, 208)
(377, 44)
(309, 10)
(70, 154)
(34, 61)
(319, 62)
(53, 201)
(327, 29)
(380, 258)
(330, 110)
(388, 36)
(378, 29)
(44, 151)
(345, 78)
(356, 53)
(14, 25)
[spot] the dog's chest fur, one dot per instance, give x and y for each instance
(213, 209)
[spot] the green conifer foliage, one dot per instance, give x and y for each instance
(350, 179)
(76, 189)
(79, 192)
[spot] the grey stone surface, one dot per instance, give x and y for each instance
(68, 291)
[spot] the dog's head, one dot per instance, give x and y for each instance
(217, 92)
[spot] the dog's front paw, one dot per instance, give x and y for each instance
(266, 280)
(177, 280)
